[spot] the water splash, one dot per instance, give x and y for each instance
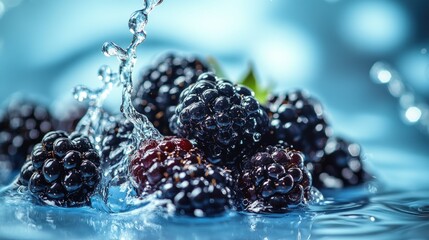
(95, 119)
(127, 57)
(115, 192)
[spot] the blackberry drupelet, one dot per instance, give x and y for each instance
(298, 120)
(156, 160)
(62, 170)
(273, 180)
(199, 190)
(224, 119)
(340, 167)
(22, 124)
(114, 138)
(157, 94)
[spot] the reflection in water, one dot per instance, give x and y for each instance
(388, 215)
(347, 214)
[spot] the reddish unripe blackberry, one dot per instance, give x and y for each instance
(273, 180)
(341, 165)
(200, 190)
(156, 160)
(224, 119)
(157, 93)
(62, 170)
(22, 124)
(298, 120)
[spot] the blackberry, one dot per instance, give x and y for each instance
(273, 180)
(199, 190)
(22, 124)
(156, 160)
(340, 167)
(298, 120)
(157, 94)
(62, 170)
(115, 136)
(224, 119)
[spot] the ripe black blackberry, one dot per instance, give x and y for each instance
(298, 120)
(273, 180)
(156, 160)
(340, 167)
(157, 94)
(224, 119)
(199, 190)
(114, 138)
(22, 124)
(62, 170)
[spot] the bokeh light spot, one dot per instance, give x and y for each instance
(2, 9)
(375, 26)
(384, 76)
(287, 54)
(413, 114)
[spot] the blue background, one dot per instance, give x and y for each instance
(327, 47)
(324, 46)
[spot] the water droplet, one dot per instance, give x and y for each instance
(257, 137)
(139, 37)
(148, 5)
(105, 74)
(81, 93)
(316, 197)
(423, 51)
(137, 22)
(111, 49)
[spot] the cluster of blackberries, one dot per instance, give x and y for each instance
(224, 119)
(227, 147)
(298, 120)
(341, 166)
(158, 91)
(22, 124)
(199, 190)
(62, 170)
(233, 130)
(273, 180)
(182, 174)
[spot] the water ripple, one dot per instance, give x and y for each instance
(351, 215)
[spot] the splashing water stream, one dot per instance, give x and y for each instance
(127, 58)
(115, 193)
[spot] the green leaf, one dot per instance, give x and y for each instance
(251, 82)
(216, 67)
